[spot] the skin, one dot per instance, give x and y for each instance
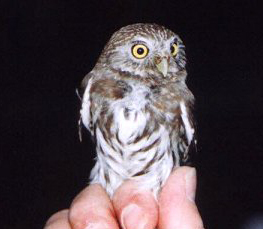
(92, 208)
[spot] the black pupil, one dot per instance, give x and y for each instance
(140, 51)
(172, 49)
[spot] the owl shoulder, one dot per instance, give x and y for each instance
(84, 83)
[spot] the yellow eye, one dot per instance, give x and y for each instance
(139, 51)
(174, 49)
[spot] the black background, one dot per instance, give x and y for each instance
(48, 46)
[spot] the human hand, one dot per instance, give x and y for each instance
(93, 209)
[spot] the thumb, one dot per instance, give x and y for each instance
(176, 201)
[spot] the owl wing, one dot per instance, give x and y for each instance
(187, 139)
(83, 85)
(84, 94)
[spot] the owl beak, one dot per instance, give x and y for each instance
(162, 65)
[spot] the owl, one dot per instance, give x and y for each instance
(137, 107)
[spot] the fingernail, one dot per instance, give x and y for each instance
(190, 184)
(132, 216)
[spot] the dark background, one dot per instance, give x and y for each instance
(47, 48)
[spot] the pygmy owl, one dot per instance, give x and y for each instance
(136, 105)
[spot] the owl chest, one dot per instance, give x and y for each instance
(134, 129)
(135, 144)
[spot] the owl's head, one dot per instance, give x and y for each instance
(145, 50)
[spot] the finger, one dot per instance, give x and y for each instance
(135, 208)
(92, 208)
(176, 201)
(58, 221)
